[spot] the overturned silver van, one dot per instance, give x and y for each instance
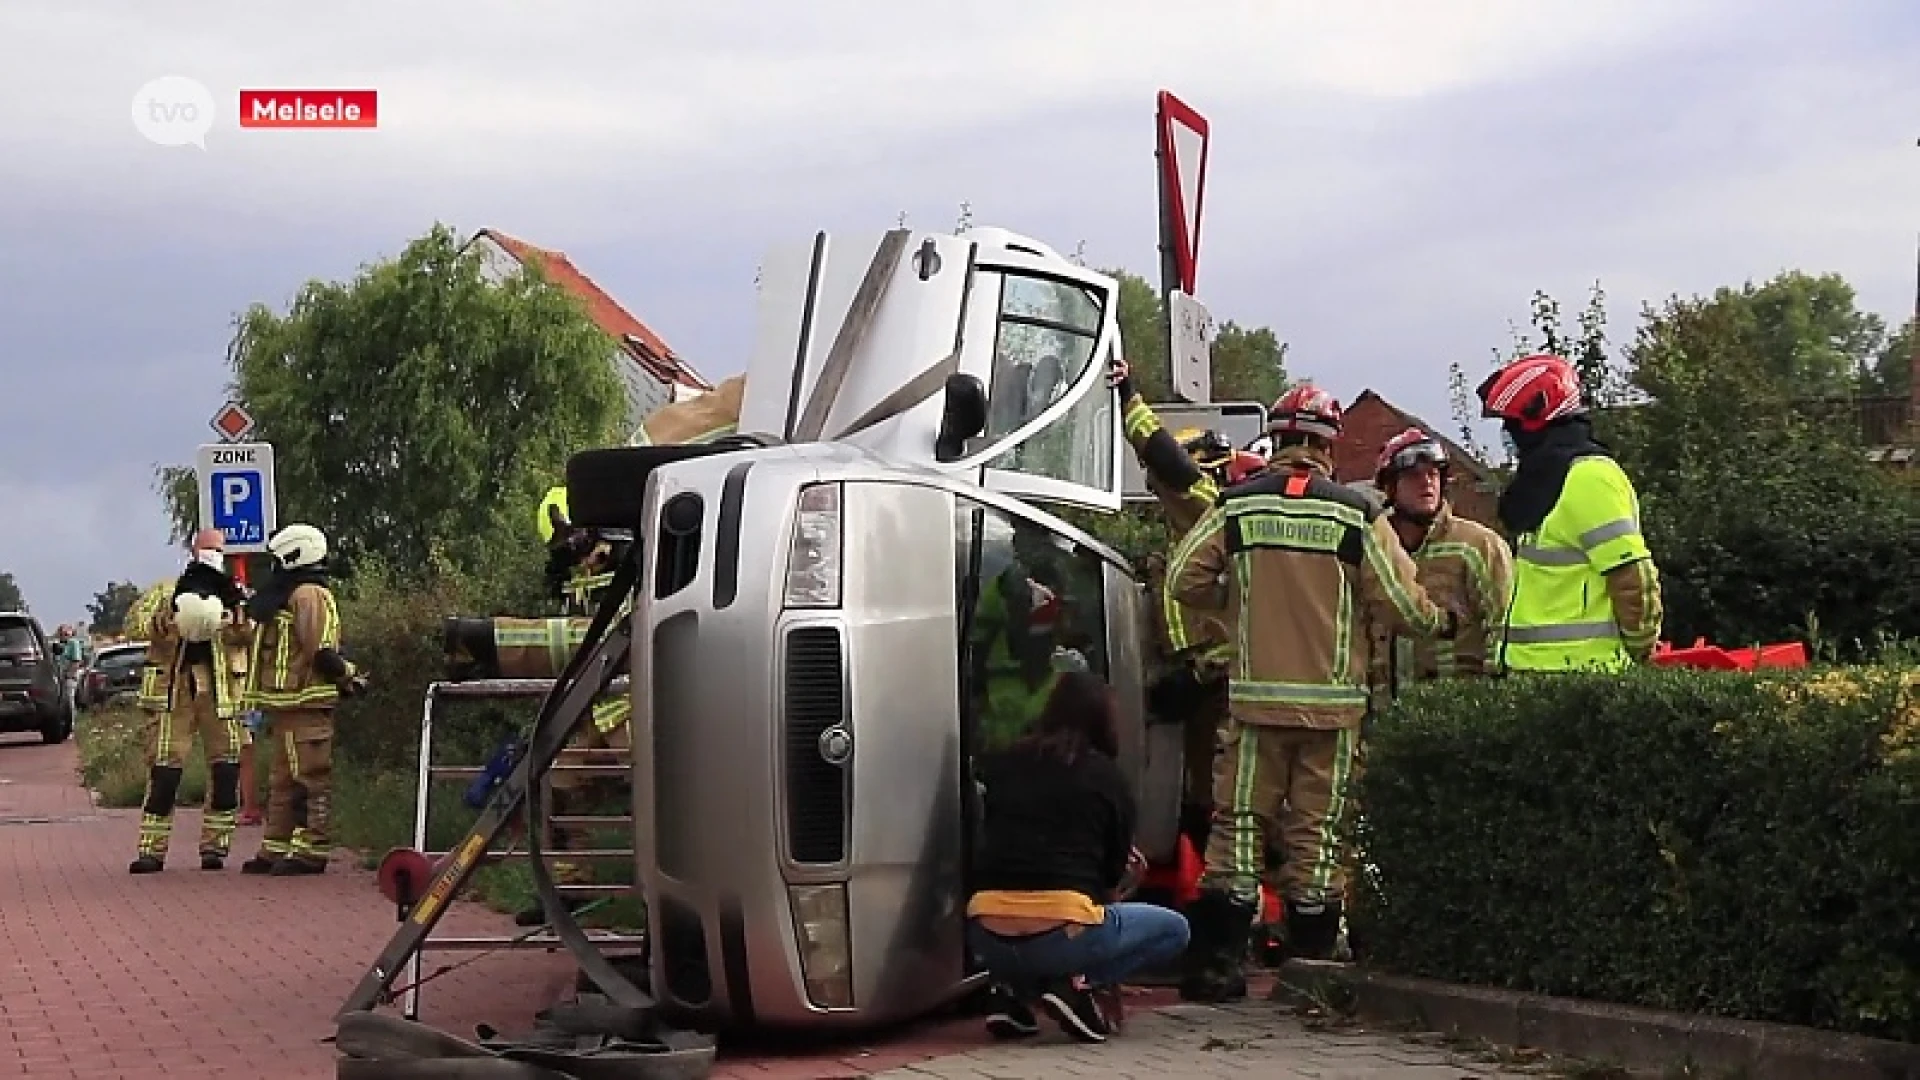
(807, 657)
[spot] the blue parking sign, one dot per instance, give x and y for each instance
(236, 493)
(239, 502)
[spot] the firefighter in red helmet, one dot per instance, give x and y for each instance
(1296, 561)
(1461, 562)
(1586, 592)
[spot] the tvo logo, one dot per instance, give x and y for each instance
(174, 111)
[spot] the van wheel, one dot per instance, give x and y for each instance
(57, 730)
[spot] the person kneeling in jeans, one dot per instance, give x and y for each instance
(1056, 852)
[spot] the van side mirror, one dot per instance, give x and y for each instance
(963, 415)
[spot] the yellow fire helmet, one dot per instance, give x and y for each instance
(556, 500)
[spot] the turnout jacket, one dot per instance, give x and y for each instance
(292, 651)
(1185, 494)
(1467, 567)
(1305, 562)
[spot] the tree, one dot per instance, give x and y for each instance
(1892, 372)
(418, 411)
(10, 598)
(110, 605)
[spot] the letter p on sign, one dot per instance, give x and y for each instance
(235, 490)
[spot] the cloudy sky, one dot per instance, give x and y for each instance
(1389, 183)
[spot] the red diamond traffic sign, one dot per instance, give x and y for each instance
(232, 423)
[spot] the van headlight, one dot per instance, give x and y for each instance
(826, 952)
(813, 558)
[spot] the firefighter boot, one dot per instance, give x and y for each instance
(156, 819)
(1312, 928)
(1215, 968)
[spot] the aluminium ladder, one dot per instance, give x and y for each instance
(509, 689)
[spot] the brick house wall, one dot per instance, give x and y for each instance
(1371, 421)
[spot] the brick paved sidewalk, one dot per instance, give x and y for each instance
(188, 973)
(1255, 1040)
(193, 973)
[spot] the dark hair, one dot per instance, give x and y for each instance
(1079, 716)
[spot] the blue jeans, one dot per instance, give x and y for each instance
(1134, 936)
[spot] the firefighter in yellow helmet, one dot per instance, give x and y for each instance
(191, 630)
(296, 676)
(1295, 559)
(580, 567)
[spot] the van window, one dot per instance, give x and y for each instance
(1034, 604)
(1042, 346)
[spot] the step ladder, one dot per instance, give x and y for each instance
(507, 690)
(566, 707)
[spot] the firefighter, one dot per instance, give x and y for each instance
(1185, 473)
(1298, 561)
(1458, 559)
(190, 629)
(154, 673)
(580, 568)
(1586, 592)
(296, 677)
(1012, 631)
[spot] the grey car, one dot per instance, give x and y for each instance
(33, 694)
(803, 800)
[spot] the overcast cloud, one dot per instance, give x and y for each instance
(1389, 182)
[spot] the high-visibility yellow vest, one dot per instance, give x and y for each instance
(1562, 615)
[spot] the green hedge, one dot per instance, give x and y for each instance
(1747, 845)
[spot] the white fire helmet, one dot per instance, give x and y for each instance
(298, 545)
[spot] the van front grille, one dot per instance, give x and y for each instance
(815, 700)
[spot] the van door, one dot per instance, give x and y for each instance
(1052, 422)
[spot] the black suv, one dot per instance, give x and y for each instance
(33, 694)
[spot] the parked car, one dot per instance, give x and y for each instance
(114, 673)
(33, 694)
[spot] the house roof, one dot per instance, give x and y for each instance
(1457, 455)
(636, 338)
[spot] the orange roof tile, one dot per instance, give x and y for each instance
(636, 338)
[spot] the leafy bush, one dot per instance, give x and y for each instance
(1740, 844)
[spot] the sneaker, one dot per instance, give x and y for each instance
(1010, 1018)
(1113, 1007)
(1074, 1008)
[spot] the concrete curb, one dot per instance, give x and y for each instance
(1644, 1041)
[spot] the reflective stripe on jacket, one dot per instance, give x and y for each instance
(156, 671)
(1304, 562)
(1185, 494)
(280, 672)
(1468, 567)
(1575, 574)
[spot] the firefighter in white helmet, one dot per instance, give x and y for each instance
(192, 626)
(296, 676)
